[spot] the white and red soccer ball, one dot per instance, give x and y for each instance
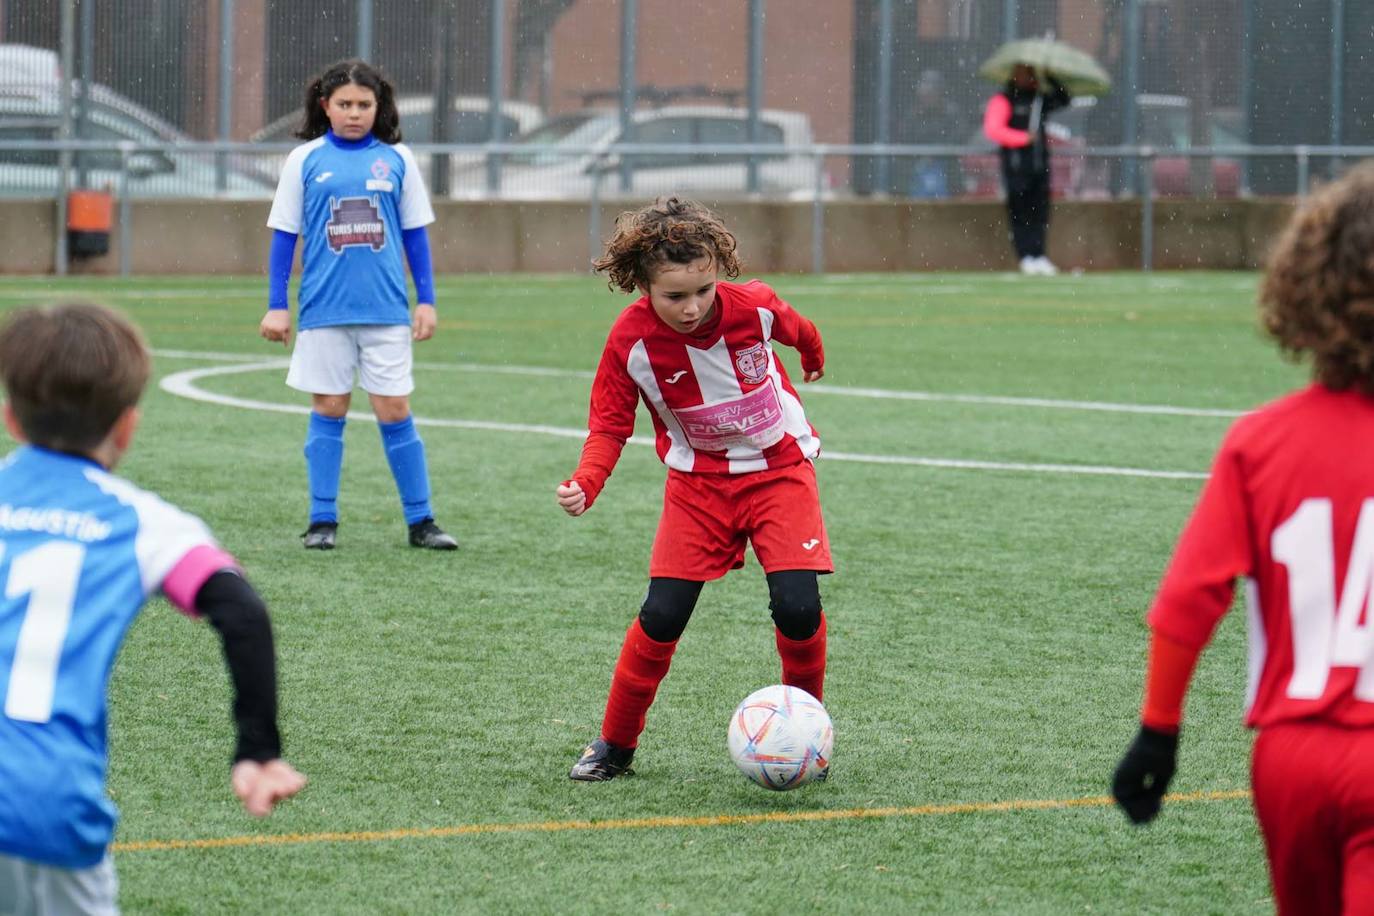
(780, 737)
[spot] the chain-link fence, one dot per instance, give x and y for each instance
(597, 73)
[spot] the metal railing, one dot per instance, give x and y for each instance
(812, 173)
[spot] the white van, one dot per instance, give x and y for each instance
(551, 169)
(468, 125)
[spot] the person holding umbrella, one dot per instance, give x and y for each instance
(1038, 76)
(1015, 120)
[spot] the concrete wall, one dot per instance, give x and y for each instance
(210, 237)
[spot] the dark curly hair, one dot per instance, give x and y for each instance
(386, 128)
(1318, 293)
(670, 230)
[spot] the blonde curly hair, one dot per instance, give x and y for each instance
(1318, 292)
(670, 230)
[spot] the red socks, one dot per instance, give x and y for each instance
(643, 664)
(803, 661)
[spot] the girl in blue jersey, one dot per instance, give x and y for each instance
(355, 194)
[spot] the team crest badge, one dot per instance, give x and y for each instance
(380, 170)
(752, 363)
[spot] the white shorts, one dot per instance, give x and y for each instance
(30, 889)
(328, 360)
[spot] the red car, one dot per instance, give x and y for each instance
(1165, 123)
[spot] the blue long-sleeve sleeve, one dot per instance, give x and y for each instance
(279, 268)
(416, 242)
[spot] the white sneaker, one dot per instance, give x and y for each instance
(1045, 267)
(1029, 266)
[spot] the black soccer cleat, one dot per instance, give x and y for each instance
(602, 761)
(320, 535)
(425, 533)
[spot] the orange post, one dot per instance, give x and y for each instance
(90, 216)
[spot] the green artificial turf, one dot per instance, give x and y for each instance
(986, 626)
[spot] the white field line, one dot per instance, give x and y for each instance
(922, 284)
(968, 465)
(917, 289)
(183, 384)
(454, 367)
(1051, 403)
(214, 356)
(822, 389)
(219, 292)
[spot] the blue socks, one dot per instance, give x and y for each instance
(324, 445)
(405, 452)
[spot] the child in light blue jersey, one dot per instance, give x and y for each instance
(354, 192)
(81, 550)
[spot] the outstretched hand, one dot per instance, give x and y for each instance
(1142, 777)
(572, 497)
(261, 785)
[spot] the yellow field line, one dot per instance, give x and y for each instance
(641, 823)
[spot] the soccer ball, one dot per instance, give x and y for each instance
(780, 737)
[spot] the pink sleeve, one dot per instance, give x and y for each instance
(995, 118)
(190, 572)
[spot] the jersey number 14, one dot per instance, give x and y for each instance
(1327, 635)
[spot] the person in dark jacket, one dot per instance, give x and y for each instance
(1015, 120)
(937, 120)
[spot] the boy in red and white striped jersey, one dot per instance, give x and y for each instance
(1289, 507)
(731, 429)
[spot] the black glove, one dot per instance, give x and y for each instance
(1142, 777)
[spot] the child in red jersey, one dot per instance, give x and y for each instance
(1289, 506)
(731, 429)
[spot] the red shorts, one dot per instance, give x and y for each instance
(708, 518)
(1314, 796)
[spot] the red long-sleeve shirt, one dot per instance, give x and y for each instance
(1289, 507)
(719, 400)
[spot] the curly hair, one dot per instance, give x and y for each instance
(387, 126)
(670, 230)
(1318, 292)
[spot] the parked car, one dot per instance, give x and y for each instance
(34, 114)
(1165, 123)
(25, 65)
(571, 152)
(30, 110)
(467, 125)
